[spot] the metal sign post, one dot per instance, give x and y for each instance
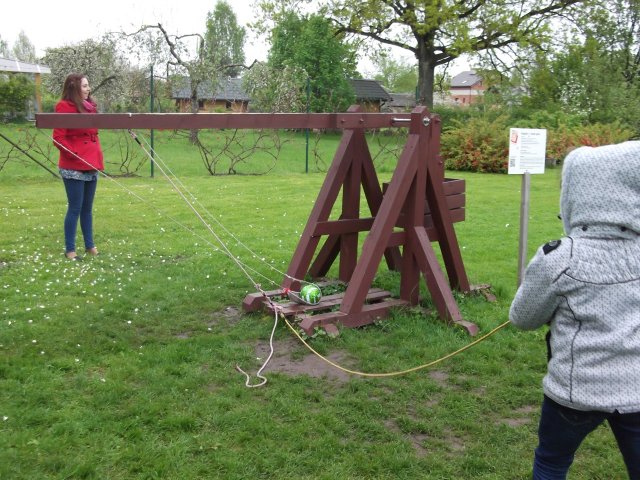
(527, 148)
(524, 224)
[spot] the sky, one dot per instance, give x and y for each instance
(50, 24)
(53, 24)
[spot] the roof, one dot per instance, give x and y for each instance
(369, 90)
(402, 100)
(465, 79)
(232, 89)
(8, 65)
(229, 89)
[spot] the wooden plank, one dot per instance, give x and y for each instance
(453, 186)
(434, 277)
(188, 121)
(377, 241)
(330, 301)
(367, 315)
(303, 255)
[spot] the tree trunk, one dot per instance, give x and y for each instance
(193, 134)
(426, 73)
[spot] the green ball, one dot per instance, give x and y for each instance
(311, 294)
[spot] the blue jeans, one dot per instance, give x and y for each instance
(563, 429)
(80, 195)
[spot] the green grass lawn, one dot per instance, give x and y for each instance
(123, 366)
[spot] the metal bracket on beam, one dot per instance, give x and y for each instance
(425, 120)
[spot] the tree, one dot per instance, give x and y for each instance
(4, 49)
(616, 25)
(396, 75)
(270, 13)
(310, 43)
(439, 31)
(15, 92)
(224, 40)
(593, 83)
(100, 61)
(202, 63)
(593, 71)
(23, 50)
(278, 90)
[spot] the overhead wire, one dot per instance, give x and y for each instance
(161, 212)
(238, 241)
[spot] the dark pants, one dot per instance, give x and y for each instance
(562, 430)
(80, 196)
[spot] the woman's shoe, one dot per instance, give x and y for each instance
(92, 251)
(73, 256)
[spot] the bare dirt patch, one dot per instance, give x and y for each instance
(229, 316)
(522, 416)
(439, 377)
(286, 359)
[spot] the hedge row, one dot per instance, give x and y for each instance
(482, 145)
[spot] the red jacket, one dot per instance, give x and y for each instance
(83, 142)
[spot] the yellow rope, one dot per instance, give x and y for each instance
(402, 372)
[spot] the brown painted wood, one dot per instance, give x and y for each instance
(417, 207)
(415, 202)
(197, 121)
(376, 242)
(368, 314)
(351, 208)
(321, 210)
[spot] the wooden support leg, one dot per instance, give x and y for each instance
(440, 292)
(378, 238)
(322, 208)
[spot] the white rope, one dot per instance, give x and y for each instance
(176, 183)
(200, 217)
(156, 158)
(259, 372)
(225, 250)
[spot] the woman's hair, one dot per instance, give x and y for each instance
(71, 91)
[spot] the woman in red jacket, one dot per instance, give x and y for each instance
(80, 161)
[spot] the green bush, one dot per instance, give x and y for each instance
(15, 91)
(563, 139)
(480, 144)
(477, 145)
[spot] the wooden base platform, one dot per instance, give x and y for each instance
(327, 314)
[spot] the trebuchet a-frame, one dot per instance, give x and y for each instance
(417, 207)
(411, 212)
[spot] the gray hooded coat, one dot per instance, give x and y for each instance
(587, 285)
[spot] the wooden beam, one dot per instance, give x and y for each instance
(189, 121)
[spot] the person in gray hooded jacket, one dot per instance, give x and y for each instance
(586, 286)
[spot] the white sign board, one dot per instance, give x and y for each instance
(527, 147)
